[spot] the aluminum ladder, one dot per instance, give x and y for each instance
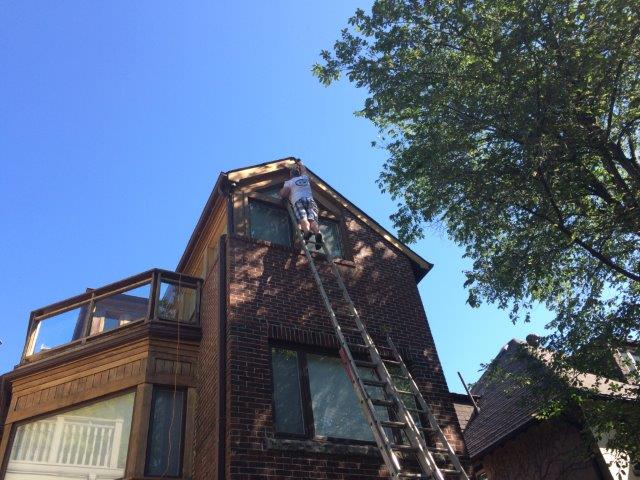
(377, 388)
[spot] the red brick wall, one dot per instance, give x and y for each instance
(272, 295)
(206, 421)
(552, 450)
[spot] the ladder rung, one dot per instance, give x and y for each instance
(449, 471)
(349, 329)
(403, 448)
(404, 392)
(414, 475)
(383, 403)
(392, 362)
(374, 383)
(439, 450)
(390, 424)
(363, 364)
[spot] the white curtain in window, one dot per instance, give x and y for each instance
(88, 442)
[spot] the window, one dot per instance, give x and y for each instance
(86, 442)
(121, 309)
(314, 398)
(286, 392)
(164, 453)
(177, 301)
(58, 329)
(331, 235)
(269, 222)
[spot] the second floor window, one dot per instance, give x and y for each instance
(331, 234)
(313, 398)
(270, 222)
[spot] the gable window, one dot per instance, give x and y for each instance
(313, 398)
(331, 235)
(269, 222)
(86, 442)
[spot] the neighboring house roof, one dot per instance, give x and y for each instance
(420, 266)
(463, 408)
(508, 405)
(505, 407)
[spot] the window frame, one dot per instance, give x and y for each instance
(271, 202)
(305, 394)
(323, 213)
(75, 406)
(185, 393)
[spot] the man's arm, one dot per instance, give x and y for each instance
(284, 191)
(303, 169)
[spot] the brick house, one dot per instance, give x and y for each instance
(226, 368)
(505, 438)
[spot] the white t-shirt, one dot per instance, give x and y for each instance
(300, 187)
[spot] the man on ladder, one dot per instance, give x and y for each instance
(298, 190)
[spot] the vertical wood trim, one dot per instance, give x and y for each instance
(4, 447)
(137, 454)
(189, 434)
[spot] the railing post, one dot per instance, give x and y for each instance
(153, 295)
(87, 318)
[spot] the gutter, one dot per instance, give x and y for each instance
(222, 358)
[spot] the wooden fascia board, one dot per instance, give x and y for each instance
(244, 174)
(214, 198)
(424, 265)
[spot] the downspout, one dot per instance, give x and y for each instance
(226, 188)
(222, 358)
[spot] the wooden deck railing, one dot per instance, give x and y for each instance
(155, 295)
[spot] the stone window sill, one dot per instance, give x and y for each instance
(317, 446)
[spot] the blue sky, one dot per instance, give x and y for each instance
(116, 118)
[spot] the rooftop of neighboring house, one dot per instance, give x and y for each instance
(508, 404)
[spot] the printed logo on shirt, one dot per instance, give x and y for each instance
(301, 182)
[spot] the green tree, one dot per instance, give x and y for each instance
(514, 124)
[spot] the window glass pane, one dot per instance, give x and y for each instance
(331, 236)
(286, 391)
(273, 191)
(165, 433)
(270, 223)
(59, 329)
(409, 400)
(120, 309)
(336, 410)
(177, 302)
(88, 442)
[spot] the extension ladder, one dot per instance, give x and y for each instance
(399, 437)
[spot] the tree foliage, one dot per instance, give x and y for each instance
(515, 124)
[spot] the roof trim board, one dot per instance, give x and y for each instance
(421, 266)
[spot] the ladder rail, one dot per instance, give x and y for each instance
(433, 422)
(417, 442)
(391, 459)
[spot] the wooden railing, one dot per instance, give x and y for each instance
(155, 295)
